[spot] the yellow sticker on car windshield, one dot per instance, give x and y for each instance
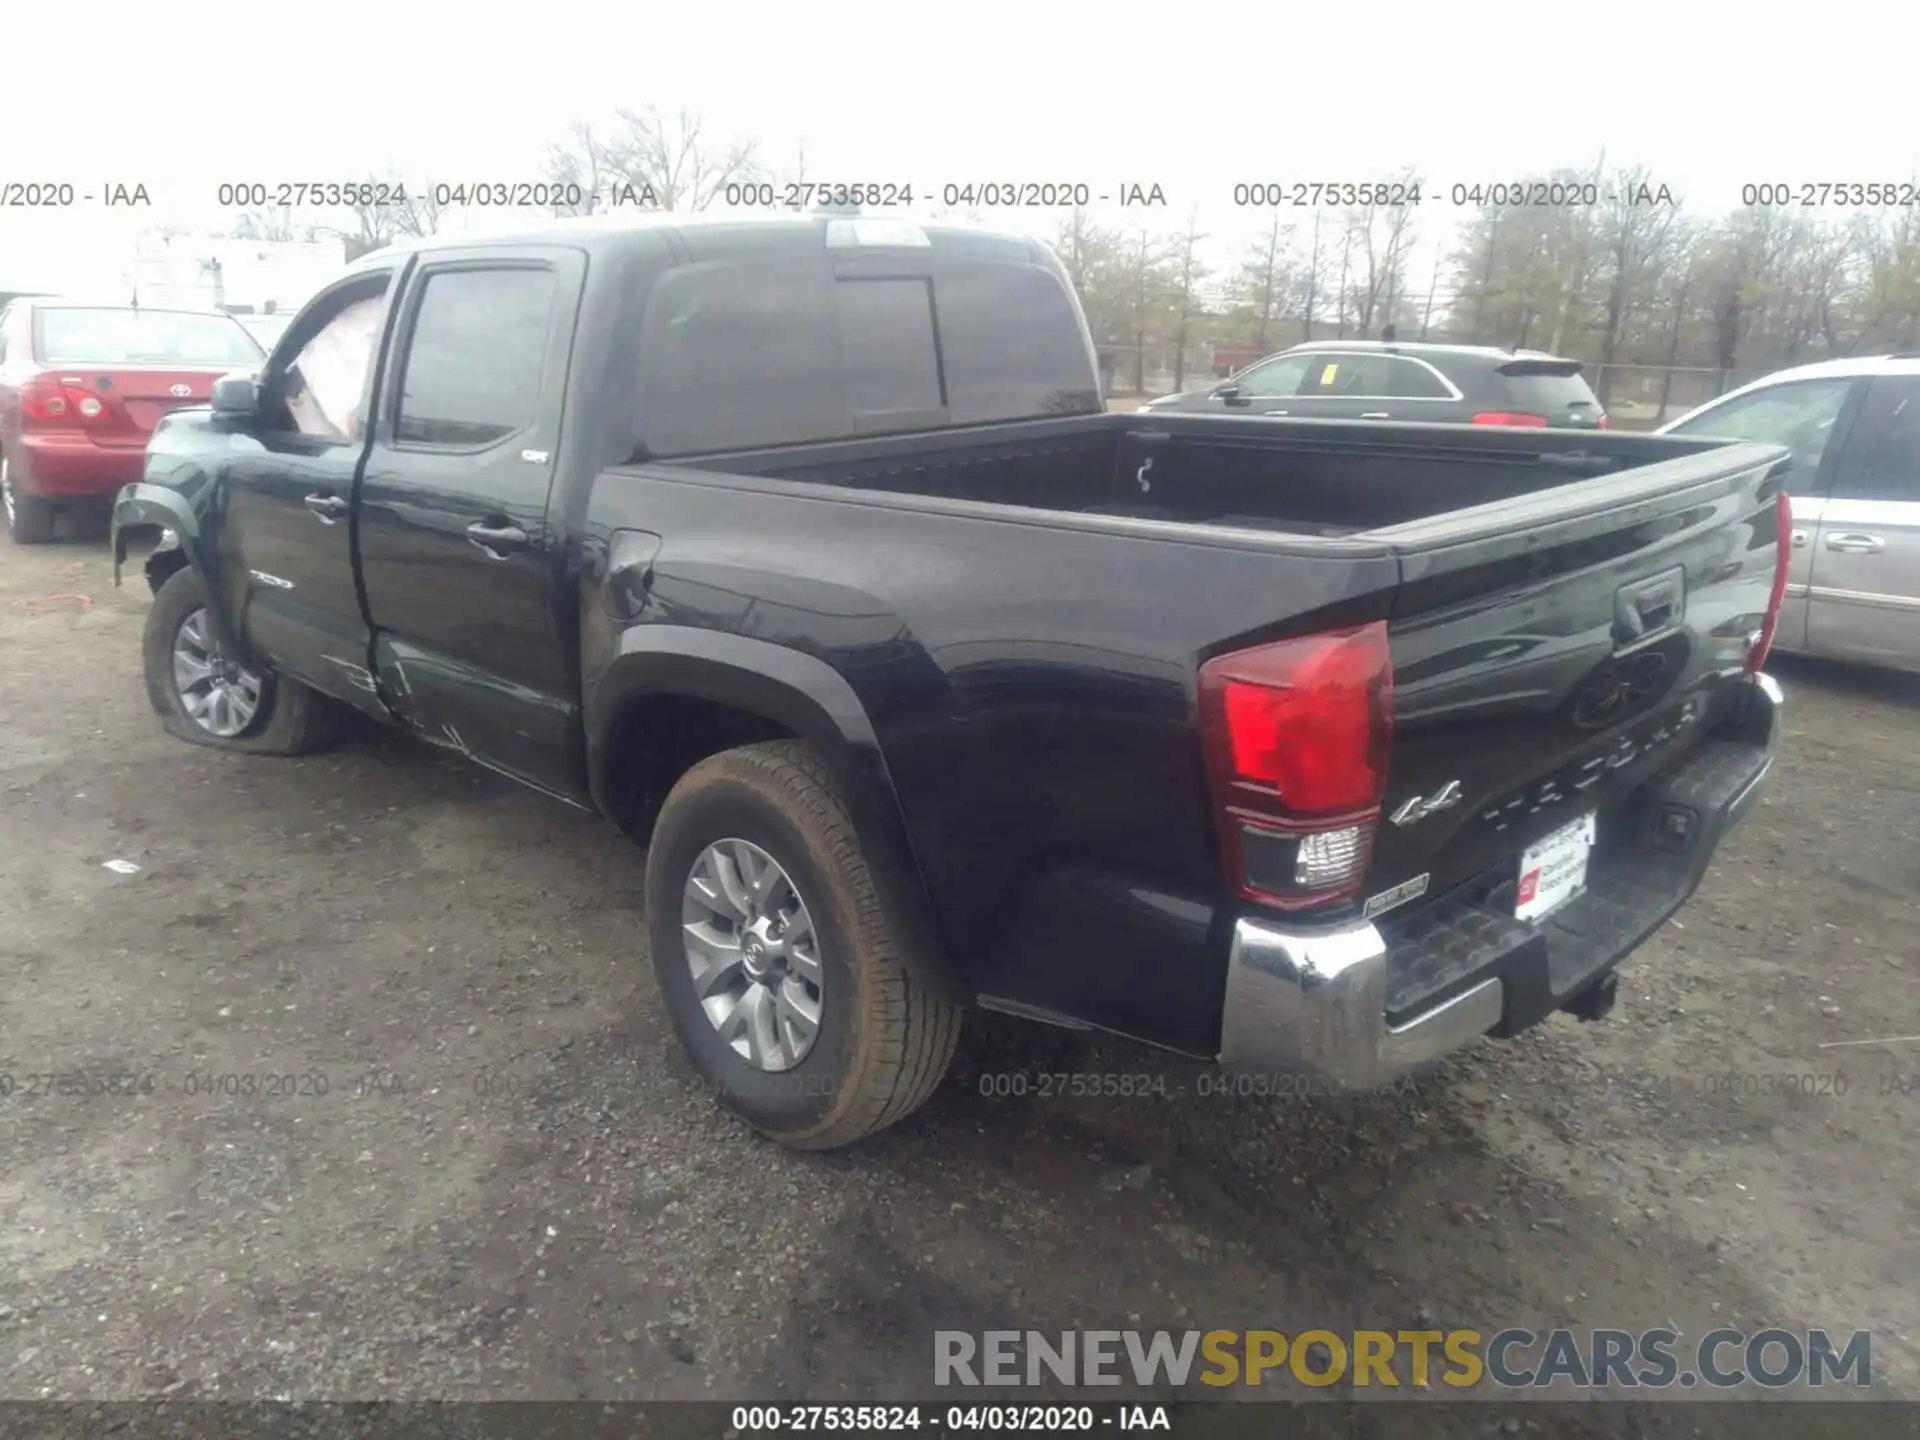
(1326, 376)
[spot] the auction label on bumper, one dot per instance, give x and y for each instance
(1554, 870)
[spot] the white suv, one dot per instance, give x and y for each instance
(1853, 589)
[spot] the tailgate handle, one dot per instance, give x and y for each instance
(1649, 607)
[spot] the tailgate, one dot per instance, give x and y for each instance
(133, 398)
(1552, 651)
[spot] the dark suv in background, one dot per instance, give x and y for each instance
(1388, 380)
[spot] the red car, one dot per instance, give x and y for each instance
(81, 388)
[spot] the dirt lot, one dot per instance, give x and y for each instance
(512, 1189)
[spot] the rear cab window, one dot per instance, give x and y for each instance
(751, 353)
(101, 335)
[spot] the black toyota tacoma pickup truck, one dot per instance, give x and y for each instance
(805, 550)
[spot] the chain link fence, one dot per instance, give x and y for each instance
(1645, 397)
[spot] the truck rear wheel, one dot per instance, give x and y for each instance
(206, 699)
(778, 960)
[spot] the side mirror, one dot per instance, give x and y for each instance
(236, 396)
(1228, 391)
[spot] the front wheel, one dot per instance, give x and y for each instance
(778, 959)
(206, 698)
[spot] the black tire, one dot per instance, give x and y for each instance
(29, 517)
(885, 1038)
(291, 720)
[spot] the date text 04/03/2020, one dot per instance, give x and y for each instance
(999, 1419)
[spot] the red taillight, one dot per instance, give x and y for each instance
(1509, 417)
(1783, 533)
(46, 404)
(1296, 735)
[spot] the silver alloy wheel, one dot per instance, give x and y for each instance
(220, 698)
(753, 954)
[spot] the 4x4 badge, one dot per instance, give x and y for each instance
(1419, 807)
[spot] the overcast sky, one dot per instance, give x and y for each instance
(1193, 98)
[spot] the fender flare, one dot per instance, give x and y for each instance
(154, 507)
(803, 694)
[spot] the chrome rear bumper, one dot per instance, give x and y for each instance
(1314, 1002)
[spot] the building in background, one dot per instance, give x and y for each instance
(246, 277)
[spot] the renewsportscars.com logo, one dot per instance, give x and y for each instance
(1512, 1359)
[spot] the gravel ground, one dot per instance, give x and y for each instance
(511, 1187)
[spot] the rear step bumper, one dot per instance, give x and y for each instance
(1357, 1006)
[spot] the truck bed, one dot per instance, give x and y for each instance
(1319, 478)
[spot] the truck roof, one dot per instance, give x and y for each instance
(710, 233)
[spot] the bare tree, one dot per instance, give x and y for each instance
(672, 161)
(371, 223)
(1634, 236)
(1378, 238)
(1191, 272)
(1313, 282)
(275, 225)
(1266, 277)
(576, 171)
(419, 215)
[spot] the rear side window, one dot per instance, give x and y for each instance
(1410, 380)
(1882, 456)
(1799, 414)
(1551, 391)
(737, 356)
(475, 356)
(88, 335)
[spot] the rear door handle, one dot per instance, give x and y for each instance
(1274, 412)
(1373, 415)
(328, 509)
(496, 539)
(1856, 544)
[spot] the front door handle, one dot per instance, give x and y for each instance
(496, 540)
(1274, 412)
(328, 509)
(1373, 415)
(1856, 544)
